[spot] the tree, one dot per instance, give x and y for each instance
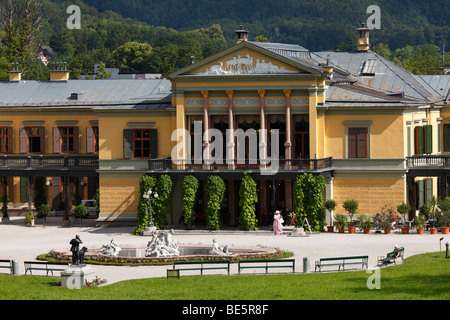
(261, 39)
(133, 55)
(21, 22)
(40, 192)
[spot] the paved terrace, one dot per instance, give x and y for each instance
(24, 243)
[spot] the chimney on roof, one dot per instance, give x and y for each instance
(59, 72)
(328, 66)
(15, 74)
(241, 35)
(363, 38)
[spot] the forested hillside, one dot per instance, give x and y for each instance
(314, 24)
(161, 36)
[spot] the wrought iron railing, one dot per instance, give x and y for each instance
(41, 161)
(424, 161)
(168, 164)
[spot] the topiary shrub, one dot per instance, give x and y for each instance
(161, 206)
(215, 191)
(80, 212)
(308, 201)
(43, 212)
(145, 183)
(248, 197)
(189, 190)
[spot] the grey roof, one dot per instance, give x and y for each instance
(373, 71)
(440, 84)
(91, 93)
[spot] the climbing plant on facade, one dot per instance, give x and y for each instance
(161, 206)
(189, 190)
(308, 202)
(248, 196)
(145, 183)
(215, 191)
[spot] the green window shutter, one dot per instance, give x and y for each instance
(408, 135)
(446, 137)
(439, 136)
(420, 192)
(154, 143)
(428, 135)
(23, 189)
(128, 143)
(429, 189)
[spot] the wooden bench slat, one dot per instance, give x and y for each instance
(343, 263)
(268, 264)
(48, 266)
(202, 267)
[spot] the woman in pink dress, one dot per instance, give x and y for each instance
(277, 223)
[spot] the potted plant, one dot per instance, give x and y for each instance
(351, 206)
(364, 223)
(29, 219)
(420, 223)
(330, 205)
(444, 215)
(433, 202)
(403, 209)
(340, 222)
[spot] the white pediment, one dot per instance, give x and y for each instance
(246, 64)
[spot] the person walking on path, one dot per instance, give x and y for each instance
(277, 223)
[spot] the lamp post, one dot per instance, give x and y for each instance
(151, 226)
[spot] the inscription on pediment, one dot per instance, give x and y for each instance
(246, 64)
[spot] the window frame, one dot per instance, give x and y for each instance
(364, 124)
(5, 137)
(62, 137)
(142, 139)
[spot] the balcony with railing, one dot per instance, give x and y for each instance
(49, 164)
(428, 164)
(281, 165)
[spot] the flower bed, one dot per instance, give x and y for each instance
(53, 256)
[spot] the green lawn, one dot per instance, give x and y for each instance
(420, 277)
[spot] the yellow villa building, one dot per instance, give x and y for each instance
(377, 133)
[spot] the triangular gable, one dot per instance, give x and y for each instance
(245, 59)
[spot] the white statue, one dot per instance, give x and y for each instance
(162, 245)
(111, 249)
(217, 250)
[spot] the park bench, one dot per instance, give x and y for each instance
(202, 265)
(342, 262)
(391, 257)
(44, 266)
(266, 264)
(6, 263)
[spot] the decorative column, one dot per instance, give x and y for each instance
(287, 143)
(262, 126)
(230, 133)
(313, 132)
(205, 131)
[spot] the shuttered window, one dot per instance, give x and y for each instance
(32, 139)
(446, 137)
(358, 143)
(6, 140)
(66, 140)
(140, 143)
(423, 140)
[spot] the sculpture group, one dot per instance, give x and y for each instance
(111, 249)
(162, 245)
